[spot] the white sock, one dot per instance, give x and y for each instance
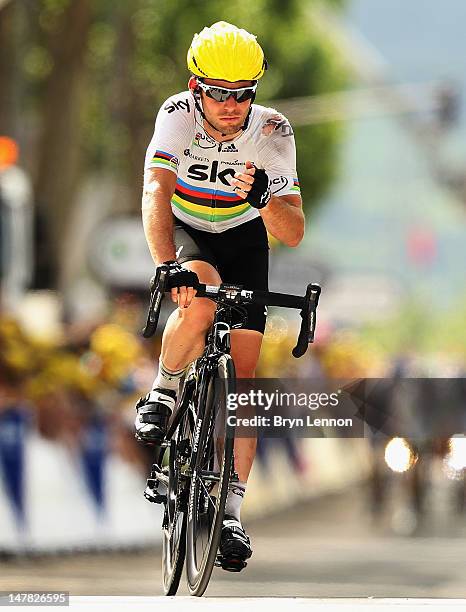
(167, 379)
(235, 499)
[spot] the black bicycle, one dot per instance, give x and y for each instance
(194, 464)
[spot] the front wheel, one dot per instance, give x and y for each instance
(174, 521)
(211, 471)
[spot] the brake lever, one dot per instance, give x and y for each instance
(309, 320)
(157, 289)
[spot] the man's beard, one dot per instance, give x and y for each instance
(228, 128)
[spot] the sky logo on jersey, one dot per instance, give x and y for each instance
(202, 172)
(173, 106)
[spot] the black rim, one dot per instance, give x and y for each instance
(174, 526)
(209, 483)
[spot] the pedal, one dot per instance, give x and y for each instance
(230, 564)
(151, 493)
(154, 497)
(152, 443)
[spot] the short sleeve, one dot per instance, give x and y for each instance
(172, 133)
(277, 155)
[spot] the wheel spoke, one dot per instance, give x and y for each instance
(206, 491)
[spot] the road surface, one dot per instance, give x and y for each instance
(327, 548)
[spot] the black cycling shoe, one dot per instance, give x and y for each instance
(235, 546)
(154, 411)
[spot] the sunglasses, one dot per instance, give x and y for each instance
(221, 94)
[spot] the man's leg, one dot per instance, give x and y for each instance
(183, 338)
(235, 545)
(245, 350)
(182, 341)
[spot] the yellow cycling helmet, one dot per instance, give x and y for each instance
(227, 53)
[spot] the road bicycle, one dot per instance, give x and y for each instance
(194, 463)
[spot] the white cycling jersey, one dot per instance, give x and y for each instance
(204, 196)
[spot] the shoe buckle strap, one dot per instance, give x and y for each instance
(155, 409)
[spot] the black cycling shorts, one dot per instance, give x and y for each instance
(240, 255)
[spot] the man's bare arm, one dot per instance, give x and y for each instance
(157, 216)
(283, 216)
(284, 219)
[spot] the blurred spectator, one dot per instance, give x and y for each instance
(449, 104)
(15, 225)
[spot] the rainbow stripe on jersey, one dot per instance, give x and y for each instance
(207, 204)
(296, 186)
(162, 159)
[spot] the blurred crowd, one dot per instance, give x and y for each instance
(91, 373)
(94, 371)
(97, 370)
(101, 367)
(77, 388)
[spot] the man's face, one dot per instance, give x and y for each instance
(227, 117)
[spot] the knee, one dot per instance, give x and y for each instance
(199, 316)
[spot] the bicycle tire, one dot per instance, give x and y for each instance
(201, 522)
(174, 524)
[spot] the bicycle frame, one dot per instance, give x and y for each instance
(218, 343)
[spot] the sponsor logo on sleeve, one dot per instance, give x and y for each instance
(277, 123)
(181, 105)
(277, 184)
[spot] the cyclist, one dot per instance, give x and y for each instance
(220, 172)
